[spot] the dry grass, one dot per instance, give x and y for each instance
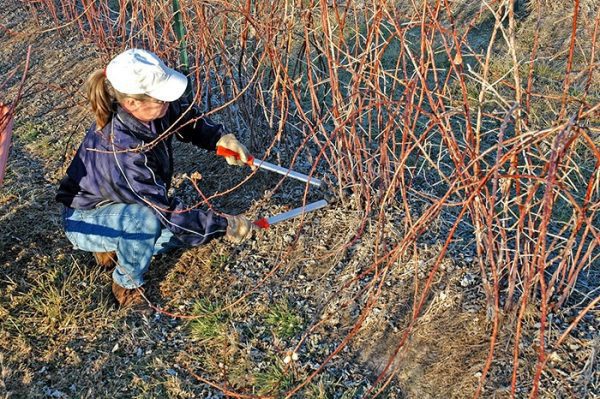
(444, 226)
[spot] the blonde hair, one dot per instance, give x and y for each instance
(102, 97)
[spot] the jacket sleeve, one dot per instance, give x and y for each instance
(192, 127)
(138, 182)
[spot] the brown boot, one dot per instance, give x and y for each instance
(127, 297)
(106, 259)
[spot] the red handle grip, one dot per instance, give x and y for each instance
(262, 223)
(226, 152)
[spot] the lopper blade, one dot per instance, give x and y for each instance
(225, 152)
(266, 222)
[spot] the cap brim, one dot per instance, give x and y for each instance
(171, 88)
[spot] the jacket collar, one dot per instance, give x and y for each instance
(139, 129)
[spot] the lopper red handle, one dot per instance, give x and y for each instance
(262, 223)
(226, 152)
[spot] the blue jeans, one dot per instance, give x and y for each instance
(132, 231)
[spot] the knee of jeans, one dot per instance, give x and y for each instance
(152, 225)
(146, 219)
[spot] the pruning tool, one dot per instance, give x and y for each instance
(225, 152)
(265, 223)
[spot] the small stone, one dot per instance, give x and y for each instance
(467, 280)
(554, 357)
(294, 356)
(287, 359)
(574, 347)
(53, 393)
(115, 348)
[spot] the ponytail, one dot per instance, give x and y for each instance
(103, 97)
(100, 98)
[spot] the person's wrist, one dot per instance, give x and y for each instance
(219, 135)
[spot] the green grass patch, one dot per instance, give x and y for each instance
(327, 388)
(29, 132)
(283, 320)
(212, 324)
(218, 261)
(277, 378)
(39, 139)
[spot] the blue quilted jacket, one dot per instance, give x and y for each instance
(117, 165)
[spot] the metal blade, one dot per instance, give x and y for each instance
(287, 172)
(296, 212)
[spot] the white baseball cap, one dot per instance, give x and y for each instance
(137, 71)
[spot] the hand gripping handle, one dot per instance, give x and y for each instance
(226, 152)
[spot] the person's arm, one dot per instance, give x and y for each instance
(137, 183)
(192, 127)
(204, 133)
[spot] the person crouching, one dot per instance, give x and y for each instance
(115, 192)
